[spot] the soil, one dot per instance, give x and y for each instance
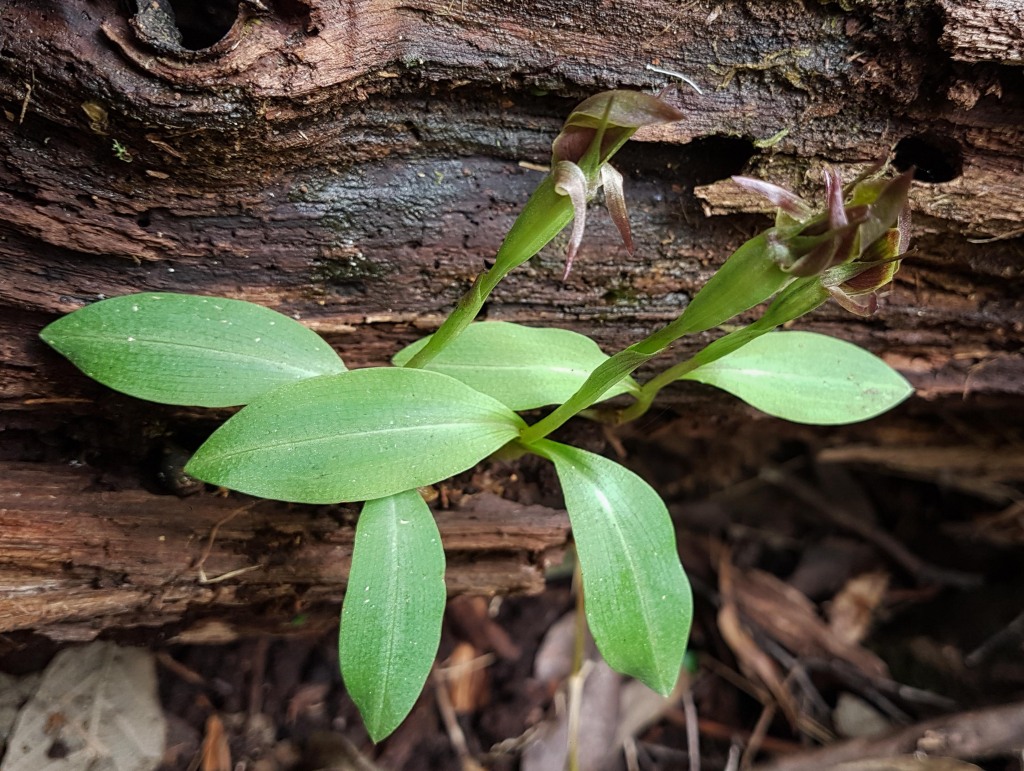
(859, 585)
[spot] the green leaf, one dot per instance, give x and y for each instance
(359, 435)
(807, 378)
(637, 599)
(394, 603)
(191, 350)
(521, 367)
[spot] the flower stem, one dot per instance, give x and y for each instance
(546, 213)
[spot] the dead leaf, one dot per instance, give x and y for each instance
(14, 692)
(471, 618)
(853, 609)
(640, 707)
(96, 706)
(216, 754)
(307, 699)
(855, 718)
(465, 674)
(788, 617)
(598, 718)
(754, 662)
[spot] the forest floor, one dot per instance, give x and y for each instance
(848, 605)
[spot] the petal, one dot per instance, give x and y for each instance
(572, 143)
(864, 305)
(872, 279)
(571, 181)
(789, 202)
(615, 200)
(887, 207)
(628, 109)
(834, 197)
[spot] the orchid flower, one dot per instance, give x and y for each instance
(592, 134)
(854, 245)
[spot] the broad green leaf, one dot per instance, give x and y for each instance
(807, 378)
(521, 367)
(637, 599)
(391, 620)
(363, 434)
(191, 350)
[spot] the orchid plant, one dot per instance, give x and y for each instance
(312, 431)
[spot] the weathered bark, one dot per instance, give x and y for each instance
(353, 164)
(79, 555)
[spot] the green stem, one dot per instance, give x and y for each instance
(794, 300)
(797, 299)
(604, 377)
(543, 217)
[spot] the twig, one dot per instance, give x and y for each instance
(1009, 633)
(917, 567)
(856, 679)
(258, 669)
(757, 735)
(576, 681)
(451, 722)
(692, 729)
(732, 763)
(203, 579)
(966, 735)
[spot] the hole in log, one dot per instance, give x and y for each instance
(203, 23)
(718, 157)
(700, 162)
(935, 158)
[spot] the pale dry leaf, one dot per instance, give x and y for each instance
(787, 616)
(553, 662)
(855, 718)
(640, 707)
(14, 692)
(96, 709)
(598, 718)
(852, 611)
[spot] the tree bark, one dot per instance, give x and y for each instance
(353, 164)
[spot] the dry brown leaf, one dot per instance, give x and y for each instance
(853, 609)
(788, 617)
(216, 755)
(754, 662)
(466, 678)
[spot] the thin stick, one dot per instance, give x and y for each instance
(203, 579)
(758, 734)
(692, 729)
(580, 668)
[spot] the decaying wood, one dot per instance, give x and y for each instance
(79, 555)
(352, 163)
